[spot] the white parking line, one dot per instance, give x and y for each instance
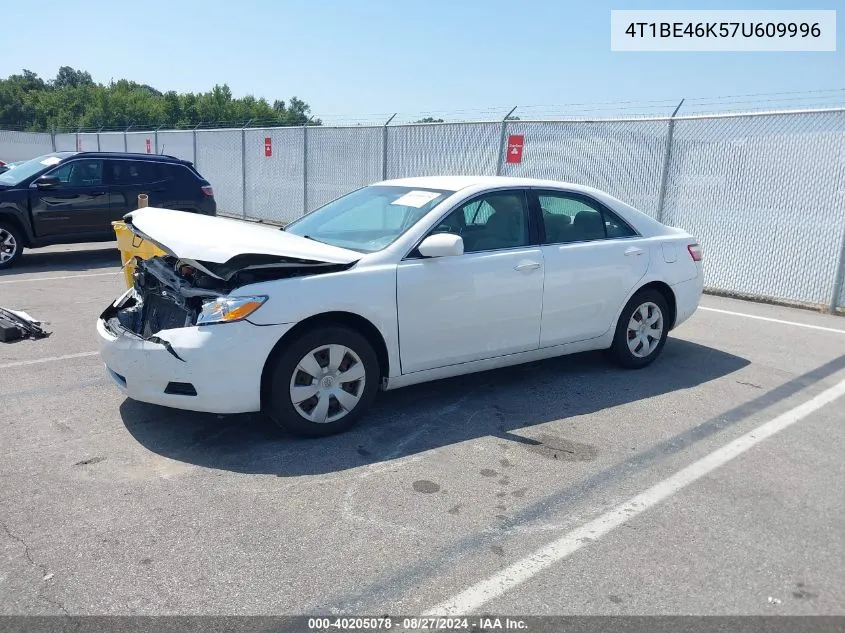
(762, 318)
(38, 361)
(22, 281)
(510, 577)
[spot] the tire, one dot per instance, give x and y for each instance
(629, 345)
(11, 245)
(320, 406)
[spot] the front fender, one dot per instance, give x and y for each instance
(14, 205)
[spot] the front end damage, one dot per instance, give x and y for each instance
(159, 346)
(170, 293)
(181, 335)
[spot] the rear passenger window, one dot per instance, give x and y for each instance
(126, 172)
(573, 218)
(176, 172)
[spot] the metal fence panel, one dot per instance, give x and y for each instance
(16, 146)
(623, 158)
(764, 195)
(442, 149)
(112, 142)
(87, 142)
(274, 184)
(178, 143)
(341, 160)
(140, 142)
(66, 142)
(219, 161)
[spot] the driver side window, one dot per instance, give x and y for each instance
(79, 173)
(490, 222)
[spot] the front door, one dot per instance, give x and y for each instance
(482, 304)
(79, 204)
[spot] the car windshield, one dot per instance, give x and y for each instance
(369, 219)
(29, 168)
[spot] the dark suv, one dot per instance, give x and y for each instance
(69, 197)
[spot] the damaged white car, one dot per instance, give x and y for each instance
(397, 283)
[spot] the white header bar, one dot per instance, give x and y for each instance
(723, 30)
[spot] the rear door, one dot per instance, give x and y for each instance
(594, 259)
(79, 204)
(131, 177)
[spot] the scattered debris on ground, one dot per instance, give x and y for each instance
(16, 325)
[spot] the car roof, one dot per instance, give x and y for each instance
(457, 183)
(160, 158)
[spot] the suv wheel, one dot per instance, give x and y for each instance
(323, 382)
(11, 245)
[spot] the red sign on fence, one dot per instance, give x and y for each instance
(515, 144)
(149, 147)
(268, 146)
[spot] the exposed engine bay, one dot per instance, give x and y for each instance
(170, 293)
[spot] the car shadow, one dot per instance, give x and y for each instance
(38, 261)
(418, 418)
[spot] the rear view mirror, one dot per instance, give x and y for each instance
(46, 182)
(442, 245)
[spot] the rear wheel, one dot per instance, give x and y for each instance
(641, 331)
(323, 382)
(11, 245)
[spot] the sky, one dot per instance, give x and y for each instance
(363, 60)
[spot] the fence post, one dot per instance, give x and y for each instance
(839, 277)
(126, 139)
(502, 142)
(384, 147)
(78, 144)
(667, 158)
(53, 137)
(304, 169)
(155, 136)
(98, 138)
(195, 143)
(243, 167)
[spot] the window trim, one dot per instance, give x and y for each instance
(602, 208)
(533, 224)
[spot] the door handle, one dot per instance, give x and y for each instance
(527, 266)
(98, 193)
(633, 250)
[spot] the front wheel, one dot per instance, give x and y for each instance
(11, 245)
(641, 331)
(323, 382)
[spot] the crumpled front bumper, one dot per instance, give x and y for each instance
(223, 362)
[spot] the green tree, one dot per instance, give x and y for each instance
(73, 100)
(429, 119)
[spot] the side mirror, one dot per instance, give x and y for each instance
(442, 245)
(46, 182)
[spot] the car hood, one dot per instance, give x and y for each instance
(231, 244)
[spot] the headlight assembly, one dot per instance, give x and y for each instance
(228, 309)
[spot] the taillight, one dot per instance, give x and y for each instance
(695, 252)
(207, 190)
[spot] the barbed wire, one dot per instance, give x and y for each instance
(633, 109)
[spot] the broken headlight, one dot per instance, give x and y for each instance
(228, 309)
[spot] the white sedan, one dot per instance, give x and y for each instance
(398, 283)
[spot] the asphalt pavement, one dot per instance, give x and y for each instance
(443, 493)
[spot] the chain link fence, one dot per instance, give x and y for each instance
(764, 193)
(16, 146)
